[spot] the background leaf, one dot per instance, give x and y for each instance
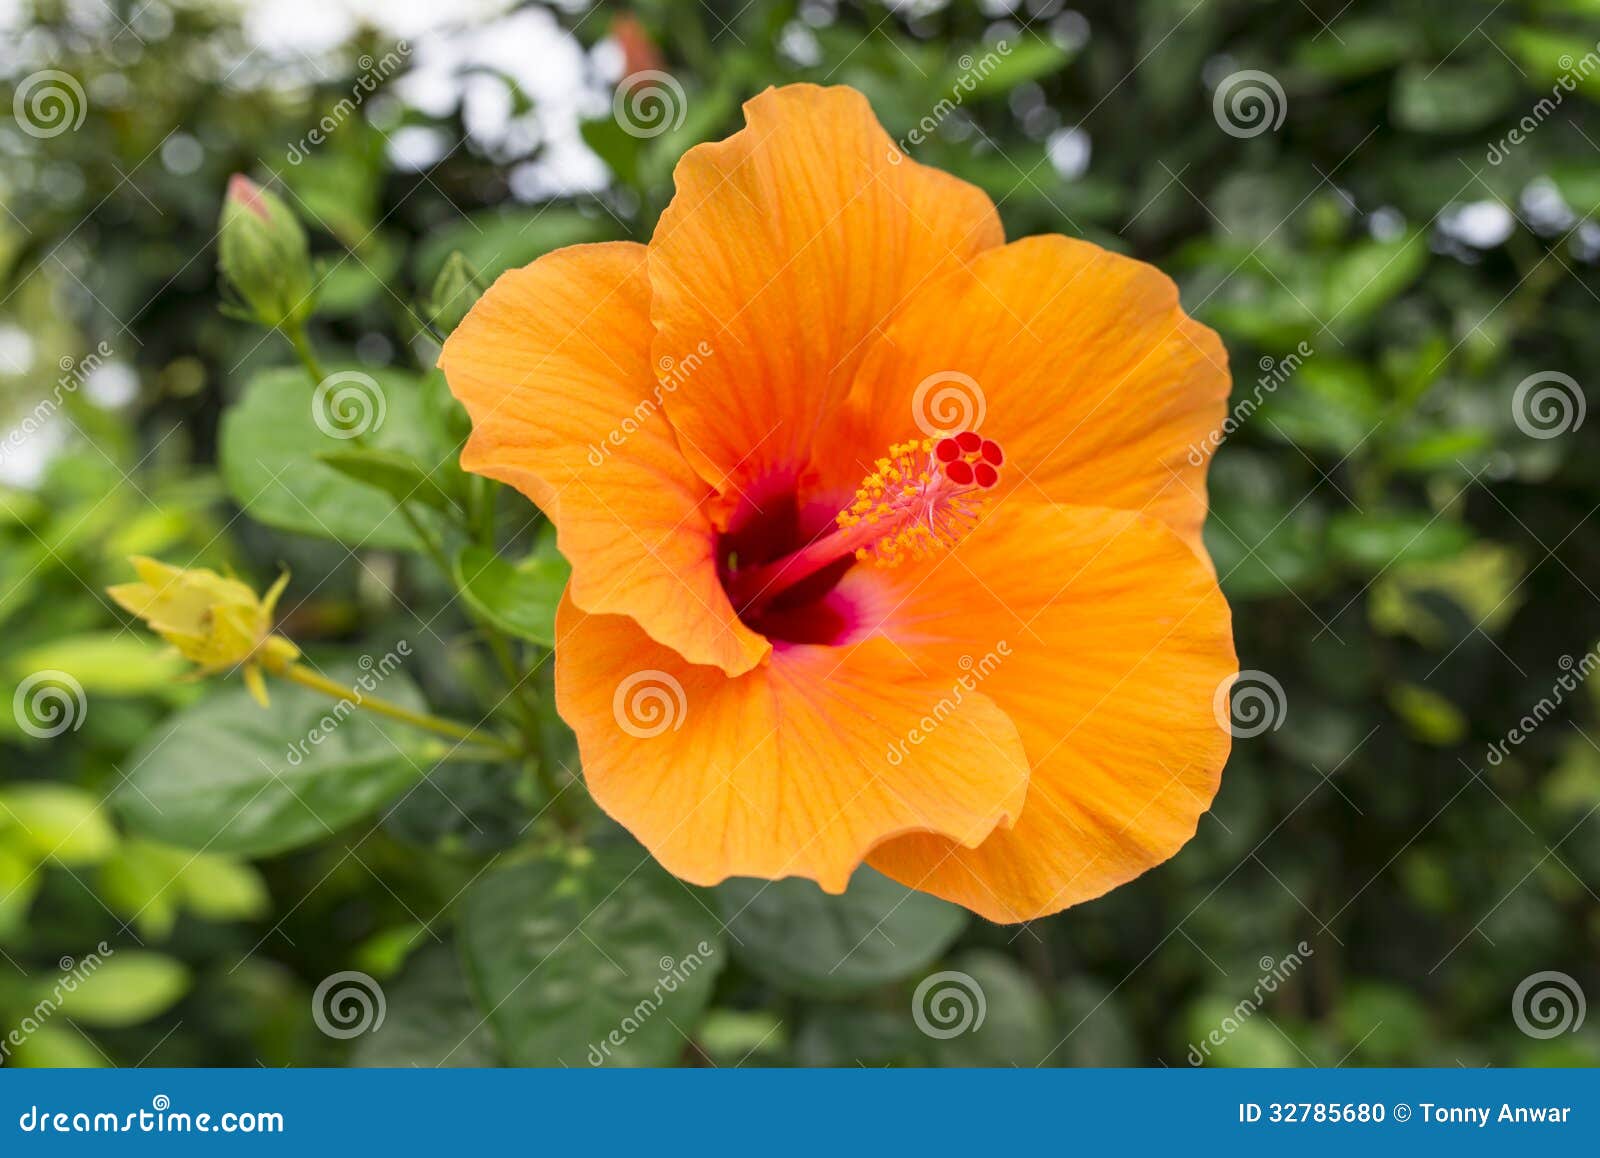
(229, 776)
(806, 941)
(601, 959)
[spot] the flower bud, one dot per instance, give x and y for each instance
(263, 254)
(454, 291)
(639, 51)
(217, 623)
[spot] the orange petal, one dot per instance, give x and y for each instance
(553, 364)
(785, 248)
(1105, 639)
(797, 768)
(1079, 362)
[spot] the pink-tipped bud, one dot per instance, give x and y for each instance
(262, 252)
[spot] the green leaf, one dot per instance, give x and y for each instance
(430, 1018)
(105, 661)
(1222, 1033)
(396, 474)
(1549, 56)
(1375, 540)
(614, 145)
(1363, 46)
(1383, 1024)
(1331, 403)
(228, 776)
(124, 988)
(801, 939)
(20, 878)
(736, 1037)
(1484, 581)
(987, 70)
(984, 1011)
(270, 443)
(149, 883)
(1452, 98)
(136, 883)
(56, 1046)
(220, 888)
(602, 959)
(836, 1035)
(57, 822)
(1429, 717)
(520, 599)
(1368, 275)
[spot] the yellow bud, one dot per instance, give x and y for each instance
(218, 623)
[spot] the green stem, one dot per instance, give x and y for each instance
(305, 677)
(430, 545)
(302, 349)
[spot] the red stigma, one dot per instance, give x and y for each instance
(968, 459)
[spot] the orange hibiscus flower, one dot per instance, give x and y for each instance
(885, 542)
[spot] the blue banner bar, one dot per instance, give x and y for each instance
(713, 1112)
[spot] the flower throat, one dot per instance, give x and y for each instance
(923, 497)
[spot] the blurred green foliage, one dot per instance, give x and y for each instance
(1409, 557)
